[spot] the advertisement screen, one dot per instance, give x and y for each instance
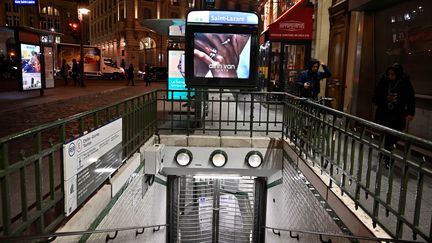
(31, 67)
(176, 72)
(222, 55)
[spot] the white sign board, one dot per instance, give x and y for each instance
(88, 161)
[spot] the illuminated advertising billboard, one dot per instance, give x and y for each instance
(222, 55)
(176, 80)
(31, 67)
(221, 49)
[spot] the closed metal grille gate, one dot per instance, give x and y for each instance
(215, 209)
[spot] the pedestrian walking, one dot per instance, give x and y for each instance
(64, 71)
(147, 75)
(75, 72)
(395, 100)
(130, 74)
(309, 80)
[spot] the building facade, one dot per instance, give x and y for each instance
(293, 33)
(46, 15)
(116, 27)
(358, 39)
(368, 36)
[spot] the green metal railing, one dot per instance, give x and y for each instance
(64, 235)
(351, 150)
(31, 162)
(345, 147)
(223, 113)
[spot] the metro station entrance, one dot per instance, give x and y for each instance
(216, 209)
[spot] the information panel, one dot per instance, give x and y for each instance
(89, 161)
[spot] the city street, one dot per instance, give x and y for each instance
(23, 110)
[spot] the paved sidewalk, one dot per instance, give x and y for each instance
(23, 110)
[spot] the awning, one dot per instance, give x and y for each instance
(162, 26)
(295, 24)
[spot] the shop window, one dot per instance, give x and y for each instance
(175, 2)
(147, 13)
(403, 34)
(16, 20)
(147, 43)
(275, 67)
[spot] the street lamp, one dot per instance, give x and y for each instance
(81, 12)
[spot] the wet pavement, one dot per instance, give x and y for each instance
(23, 110)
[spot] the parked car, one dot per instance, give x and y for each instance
(140, 73)
(158, 73)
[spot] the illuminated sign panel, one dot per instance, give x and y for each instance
(222, 17)
(176, 80)
(25, 2)
(221, 49)
(31, 67)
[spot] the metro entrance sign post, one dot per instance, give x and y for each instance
(81, 12)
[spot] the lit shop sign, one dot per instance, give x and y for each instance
(25, 2)
(222, 17)
(292, 25)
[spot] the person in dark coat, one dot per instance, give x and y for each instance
(308, 82)
(64, 71)
(147, 75)
(130, 74)
(75, 72)
(395, 100)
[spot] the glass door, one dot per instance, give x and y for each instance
(293, 63)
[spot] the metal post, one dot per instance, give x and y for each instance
(81, 50)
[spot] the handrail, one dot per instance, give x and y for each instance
(37, 149)
(351, 237)
(345, 148)
(373, 125)
(53, 236)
